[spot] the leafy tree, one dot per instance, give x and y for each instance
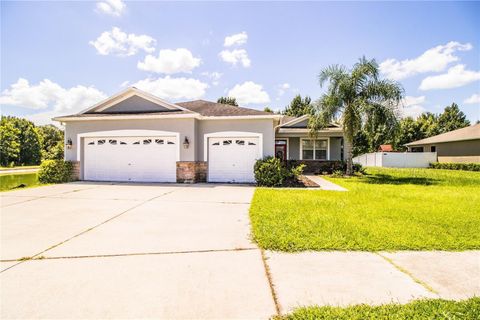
(452, 119)
(409, 130)
(52, 142)
(355, 96)
(29, 140)
(267, 109)
(228, 100)
(9, 143)
(361, 144)
(299, 107)
(428, 124)
(30, 143)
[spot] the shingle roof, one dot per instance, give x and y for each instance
(467, 133)
(213, 109)
(385, 148)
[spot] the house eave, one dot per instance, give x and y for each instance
(173, 116)
(306, 130)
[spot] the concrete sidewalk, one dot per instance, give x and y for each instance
(346, 278)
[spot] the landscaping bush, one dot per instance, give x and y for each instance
(55, 171)
(357, 168)
(456, 166)
(272, 172)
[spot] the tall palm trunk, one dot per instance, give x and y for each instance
(348, 154)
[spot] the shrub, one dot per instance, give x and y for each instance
(55, 171)
(357, 168)
(456, 166)
(272, 172)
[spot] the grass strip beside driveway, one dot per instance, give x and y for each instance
(387, 209)
(421, 309)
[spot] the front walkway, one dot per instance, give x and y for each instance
(325, 184)
(99, 250)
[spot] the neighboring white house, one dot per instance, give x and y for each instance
(135, 136)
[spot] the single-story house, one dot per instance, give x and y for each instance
(461, 145)
(136, 136)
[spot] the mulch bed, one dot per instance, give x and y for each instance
(301, 182)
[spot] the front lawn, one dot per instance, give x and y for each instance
(18, 180)
(422, 309)
(387, 209)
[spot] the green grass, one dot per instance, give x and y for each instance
(387, 209)
(12, 181)
(421, 309)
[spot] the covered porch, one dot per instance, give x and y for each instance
(294, 142)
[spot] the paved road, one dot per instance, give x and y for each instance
(15, 171)
(183, 251)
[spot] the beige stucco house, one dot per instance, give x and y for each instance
(135, 136)
(462, 145)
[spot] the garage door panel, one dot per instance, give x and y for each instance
(232, 159)
(142, 159)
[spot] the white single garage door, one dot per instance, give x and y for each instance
(232, 159)
(142, 159)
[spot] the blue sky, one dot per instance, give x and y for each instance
(60, 57)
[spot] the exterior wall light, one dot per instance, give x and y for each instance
(186, 143)
(69, 143)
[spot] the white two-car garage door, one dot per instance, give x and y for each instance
(232, 159)
(147, 159)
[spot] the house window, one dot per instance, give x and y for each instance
(314, 149)
(240, 142)
(416, 149)
(433, 149)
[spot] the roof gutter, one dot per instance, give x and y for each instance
(181, 116)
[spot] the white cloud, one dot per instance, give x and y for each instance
(47, 94)
(282, 88)
(412, 106)
(173, 88)
(249, 92)
(473, 99)
(170, 62)
(111, 7)
(214, 76)
(120, 43)
(455, 77)
(433, 60)
(50, 95)
(236, 56)
(236, 39)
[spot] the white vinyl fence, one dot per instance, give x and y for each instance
(396, 159)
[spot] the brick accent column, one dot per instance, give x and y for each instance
(76, 170)
(191, 171)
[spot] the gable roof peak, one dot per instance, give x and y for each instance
(128, 93)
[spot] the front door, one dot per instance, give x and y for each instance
(281, 149)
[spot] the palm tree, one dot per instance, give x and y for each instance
(352, 98)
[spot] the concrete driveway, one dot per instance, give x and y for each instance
(131, 251)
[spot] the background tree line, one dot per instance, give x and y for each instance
(23, 143)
